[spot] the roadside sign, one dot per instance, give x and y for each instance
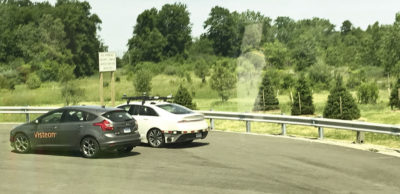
(107, 61)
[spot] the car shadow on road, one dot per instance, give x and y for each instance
(104, 155)
(180, 145)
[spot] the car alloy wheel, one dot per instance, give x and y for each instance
(155, 138)
(90, 148)
(21, 143)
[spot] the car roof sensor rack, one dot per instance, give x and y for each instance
(145, 98)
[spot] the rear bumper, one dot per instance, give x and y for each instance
(183, 137)
(115, 143)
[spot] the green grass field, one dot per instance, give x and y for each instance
(206, 99)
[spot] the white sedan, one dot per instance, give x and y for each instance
(164, 122)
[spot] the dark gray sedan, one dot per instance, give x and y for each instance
(90, 129)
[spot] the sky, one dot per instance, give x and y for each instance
(119, 16)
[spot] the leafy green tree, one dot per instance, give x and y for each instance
(221, 27)
(142, 81)
(394, 100)
(223, 79)
(346, 27)
(340, 104)
(147, 47)
(174, 25)
(284, 29)
(33, 81)
(184, 98)
(276, 54)
(80, 26)
(302, 98)
(266, 98)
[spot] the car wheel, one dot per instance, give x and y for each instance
(22, 144)
(89, 147)
(155, 138)
(125, 149)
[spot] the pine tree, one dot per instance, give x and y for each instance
(341, 104)
(183, 98)
(266, 98)
(302, 98)
(394, 100)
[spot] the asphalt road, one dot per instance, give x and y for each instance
(221, 163)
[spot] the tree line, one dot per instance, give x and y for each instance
(38, 39)
(40, 42)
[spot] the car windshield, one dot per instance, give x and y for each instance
(118, 116)
(175, 109)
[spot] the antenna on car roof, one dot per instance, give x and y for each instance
(145, 98)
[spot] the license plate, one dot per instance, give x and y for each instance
(127, 130)
(198, 135)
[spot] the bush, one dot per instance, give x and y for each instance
(302, 99)
(394, 100)
(368, 93)
(71, 93)
(183, 98)
(142, 82)
(266, 98)
(33, 81)
(341, 104)
(320, 76)
(223, 79)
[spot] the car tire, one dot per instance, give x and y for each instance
(155, 138)
(22, 143)
(125, 150)
(90, 148)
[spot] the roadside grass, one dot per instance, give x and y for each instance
(49, 94)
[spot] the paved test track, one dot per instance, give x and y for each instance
(221, 163)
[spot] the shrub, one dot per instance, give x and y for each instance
(183, 98)
(7, 83)
(368, 93)
(302, 99)
(223, 79)
(394, 100)
(71, 93)
(142, 81)
(341, 104)
(266, 98)
(33, 81)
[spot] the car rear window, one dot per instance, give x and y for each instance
(175, 109)
(118, 116)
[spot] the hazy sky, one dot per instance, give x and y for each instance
(119, 16)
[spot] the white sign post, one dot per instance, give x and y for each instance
(107, 62)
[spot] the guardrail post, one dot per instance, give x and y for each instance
(248, 127)
(360, 137)
(283, 127)
(212, 124)
(320, 132)
(28, 119)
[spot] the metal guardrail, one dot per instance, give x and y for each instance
(319, 123)
(27, 110)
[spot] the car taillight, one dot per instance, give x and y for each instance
(105, 125)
